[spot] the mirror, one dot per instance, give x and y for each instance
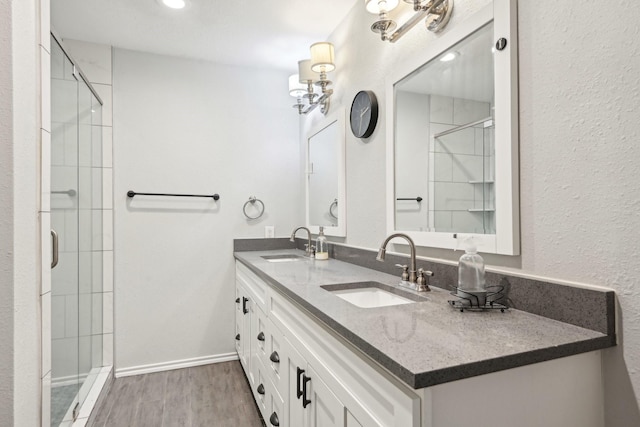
(326, 176)
(452, 149)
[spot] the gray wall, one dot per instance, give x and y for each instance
(579, 156)
(186, 126)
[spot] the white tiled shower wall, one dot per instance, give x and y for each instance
(76, 215)
(96, 250)
(95, 62)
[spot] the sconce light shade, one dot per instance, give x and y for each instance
(322, 57)
(305, 73)
(378, 6)
(296, 89)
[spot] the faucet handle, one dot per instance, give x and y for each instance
(405, 272)
(422, 282)
(310, 250)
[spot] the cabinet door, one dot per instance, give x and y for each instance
(243, 327)
(324, 409)
(294, 366)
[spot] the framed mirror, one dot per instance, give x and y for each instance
(452, 138)
(325, 183)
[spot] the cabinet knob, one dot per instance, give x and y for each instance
(238, 300)
(273, 419)
(237, 337)
(261, 336)
(261, 389)
(275, 358)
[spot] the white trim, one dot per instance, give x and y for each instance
(68, 380)
(336, 117)
(175, 364)
(92, 397)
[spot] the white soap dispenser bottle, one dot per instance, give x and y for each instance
(471, 282)
(322, 246)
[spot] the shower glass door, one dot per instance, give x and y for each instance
(76, 217)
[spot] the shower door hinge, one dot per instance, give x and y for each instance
(75, 411)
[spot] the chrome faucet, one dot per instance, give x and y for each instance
(418, 278)
(309, 247)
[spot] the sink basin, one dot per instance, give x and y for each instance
(282, 258)
(372, 294)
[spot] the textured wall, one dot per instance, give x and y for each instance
(26, 260)
(6, 217)
(183, 126)
(579, 156)
(580, 162)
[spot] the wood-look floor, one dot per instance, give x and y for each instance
(211, 395)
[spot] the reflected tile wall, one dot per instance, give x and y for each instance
(461, 161)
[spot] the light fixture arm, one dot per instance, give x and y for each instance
(313, 72)
(438, 13)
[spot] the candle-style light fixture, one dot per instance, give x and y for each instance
(437, 12)
(313, 72)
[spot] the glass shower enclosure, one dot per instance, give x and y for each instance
(76, 218)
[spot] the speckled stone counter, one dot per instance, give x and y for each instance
(423, 343)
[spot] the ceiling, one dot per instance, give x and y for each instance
(468, 76)
(272, 34)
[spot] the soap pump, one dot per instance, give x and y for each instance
(471, 282)
(322, 246)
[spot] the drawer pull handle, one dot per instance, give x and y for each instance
(245, 310)
(261, 389)
(273, 419)
(238, 337)
(275, 358)
(261, 336)
(299, 372)
(305, 401)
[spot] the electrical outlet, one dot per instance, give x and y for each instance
(269, 231)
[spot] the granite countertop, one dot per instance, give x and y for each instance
(424, 343)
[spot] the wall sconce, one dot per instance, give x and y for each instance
(313, 72)
(437, 12)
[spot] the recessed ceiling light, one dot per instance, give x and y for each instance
(449, 56)
(175, 4)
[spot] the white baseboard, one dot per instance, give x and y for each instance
(175, 364)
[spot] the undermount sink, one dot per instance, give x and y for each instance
(372, 294)
(282, 258)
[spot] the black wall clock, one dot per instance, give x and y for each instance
(364, 114)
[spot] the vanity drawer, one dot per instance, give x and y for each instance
(255, 286)
(273, 358)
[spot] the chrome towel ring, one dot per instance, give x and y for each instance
(252, 201)
(333, 205)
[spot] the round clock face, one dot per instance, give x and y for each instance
(364, 114)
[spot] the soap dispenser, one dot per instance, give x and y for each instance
(322, 246)
(471, 283)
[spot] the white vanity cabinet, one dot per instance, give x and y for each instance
(302, 375)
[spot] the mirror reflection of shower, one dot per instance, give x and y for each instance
(445, 143)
